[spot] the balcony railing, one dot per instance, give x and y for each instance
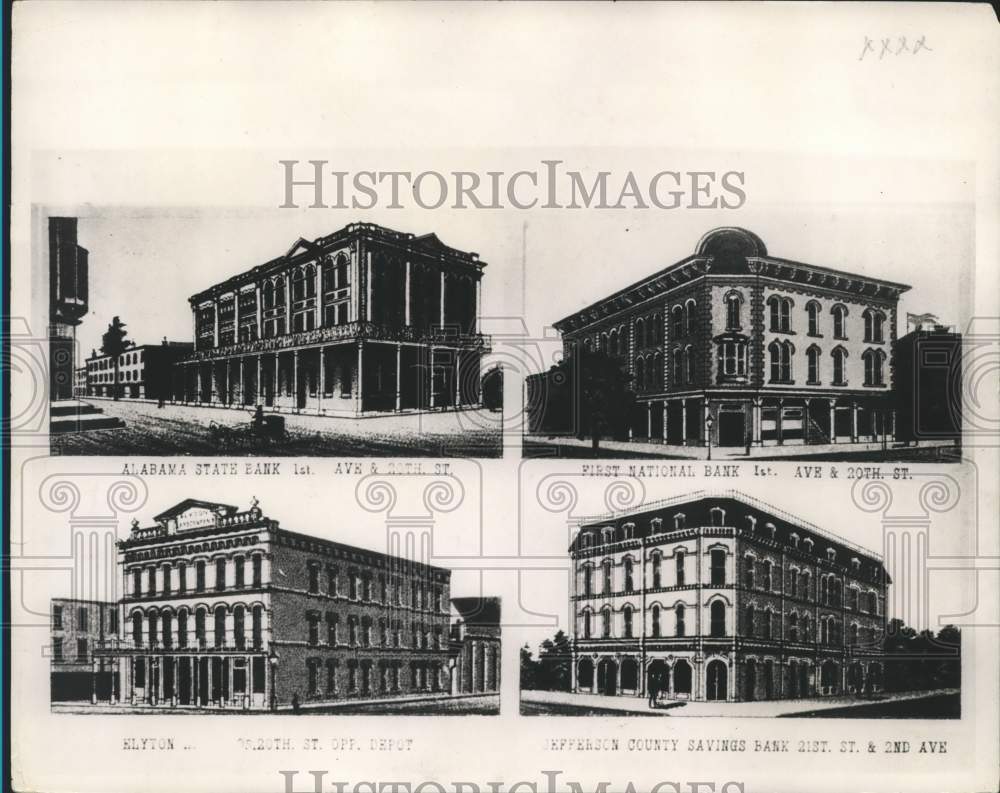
(350, 330)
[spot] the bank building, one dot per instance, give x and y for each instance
(363, 320)
(223, 608)
(724, 598)
(733, 346)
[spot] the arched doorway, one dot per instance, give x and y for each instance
(630, 675)
(793, 679)
(855, 678)
(658, 677)
(717, 676)
(829, 674)
(607, 677)
(682, 678)
(769, 679)
(750, 680)
(585, 674)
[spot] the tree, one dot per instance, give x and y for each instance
(529, 670)
(598, 391)
(114, 343)
(555, 657)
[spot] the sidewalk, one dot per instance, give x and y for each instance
(642, 448)
(675, 707)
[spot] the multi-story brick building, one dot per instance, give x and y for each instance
(144, 371)
(224, 608)
(79, 627)
(739, 347)
(364, 319)
(724, 598)
(68, 300)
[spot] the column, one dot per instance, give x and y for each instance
(288, 302)
(260, 318)
(833, 421)
(227, 681)
(593, 677)
(197, 383)
(892, 424)
(368, 286)
(322, 378)
(757, 440)
(318, 323)
(260, 388)
(358, 398)
(93, 682)
(442, 299)
(684, 422)
(208, 666)
(131, 679)
(664, 421)
(277, 377)
(399, 351)
(175, 679)
(295, 380)
(430, 373)
(160, 668)
(406, 296)
(478, 315)
(458, 377)
(215, 332)
(194, 326)
(236, 315)
(649, 421)
(242, 397)
(854, 422)
(778, 426)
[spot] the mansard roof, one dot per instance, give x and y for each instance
(731, 251)
(478, 610)
(741, 512)
(303, 250)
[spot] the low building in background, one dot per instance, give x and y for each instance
(80, 382)
(223, 608)
(929, 384)
(79, 628)
(475, 645)
(144, 371)
(724, 598)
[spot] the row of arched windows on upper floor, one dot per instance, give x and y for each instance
(780, 360)
(780, 319)
(335, 275)
(717, 573)
(717, 621)
(165, 628)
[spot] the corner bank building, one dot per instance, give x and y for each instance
(733, 346)
(724, 598)
(365, 319)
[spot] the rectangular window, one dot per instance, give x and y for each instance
(57, 617)
(57, 649)
(182, 577)
(258, 564)
(199, 575)
(313, 578)
(113, 620)
(151, 578)
(81, 618)
(240, 572)
(718, 569)
(81, 649)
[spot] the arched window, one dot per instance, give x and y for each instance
(839, 366)
(587, 580)
(793, 627)
(640, 374)
(677, 322)
(812, 311)
(607, 578)
(748, 572)
(679, 561)
(656, 372)
(812, 367)
(239, 627)
(640, 333)
(268, 295)
(298, 284)
(781, 361)
(167, 629)
(717, 621)
(732, 357)
(199, 627)
(690, 307)
(627, 619)
(606, 623)
(137, 629)
(678, 366)
(657, 329)
(734, 305)
(279, 292)
(780, 314)
(152, 624)
(874, 322)
(657, 572)
(587, 624)
(806, 584)
(679, 620)
(718, 567)
(853, 635)
(613, 343)
(768, 573)
(749, 625)
(629, 582)
(690, 363)
(874, 375)
(766, 623)
(839, 312)
(655, 628)
(182, 628)
(220, 626)
(310, 277)
(343, 271)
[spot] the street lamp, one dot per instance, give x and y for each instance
(272, 658)
(709, 421)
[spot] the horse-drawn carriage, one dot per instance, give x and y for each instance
(260, 431)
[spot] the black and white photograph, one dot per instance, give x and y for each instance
(502, 397)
